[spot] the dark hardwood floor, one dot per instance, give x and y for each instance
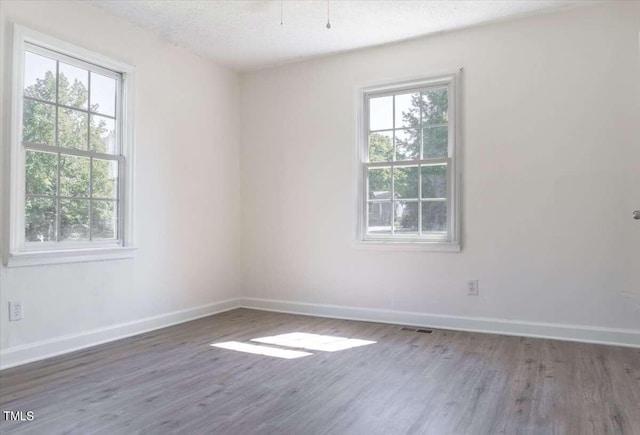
(173, 381)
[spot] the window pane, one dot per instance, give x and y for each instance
(434, 181)
(39, 123)
(405, 182)
(40, 219)
(407, 144)
(73, 128)
(74, 219)
(435, 105)
(103, 134)
(104, 219)
(408, 110)
(381, 113)
(73, 89)
(381, 146)
(41, 171)
(105, 179)
(435, 142)
(380, 215)
(379, 183)
(103, 94)
(74, 176)
(434, 216)
(39, 77)
(405, 217)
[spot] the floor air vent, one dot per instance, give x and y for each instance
(423, 331)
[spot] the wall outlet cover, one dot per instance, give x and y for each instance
(473, 287)
(15, 311)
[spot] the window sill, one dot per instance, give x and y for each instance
(39, 258)
(395, 245)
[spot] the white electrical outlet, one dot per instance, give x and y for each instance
(473, 287)
(15, 311)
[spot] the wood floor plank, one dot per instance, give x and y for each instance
(173, 381)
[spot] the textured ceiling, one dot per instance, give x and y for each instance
(247, 35)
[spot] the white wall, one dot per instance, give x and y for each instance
(551, 175)
(186, 190)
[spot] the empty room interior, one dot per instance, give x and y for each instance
(320, 217)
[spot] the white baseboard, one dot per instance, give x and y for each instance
(31, 352)
(580, 333)
(27, 353)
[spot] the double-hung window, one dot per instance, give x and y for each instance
(409, 169)
(70, 155)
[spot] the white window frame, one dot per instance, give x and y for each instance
(452, 241)
(21, 253)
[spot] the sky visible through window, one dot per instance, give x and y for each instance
(102, 89)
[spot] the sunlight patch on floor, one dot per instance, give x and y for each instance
(302, 340)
